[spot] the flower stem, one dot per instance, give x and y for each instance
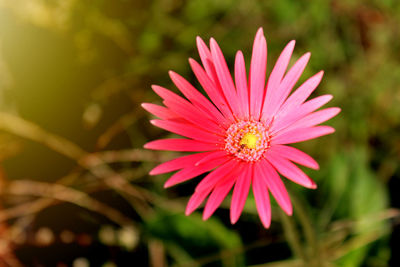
(292, 236)
(308, 230)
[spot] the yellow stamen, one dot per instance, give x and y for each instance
(249, 140)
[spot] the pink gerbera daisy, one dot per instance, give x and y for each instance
(242, 130)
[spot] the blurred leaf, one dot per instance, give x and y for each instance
(199, 238)
(355, 193)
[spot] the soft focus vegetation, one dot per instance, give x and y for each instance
(73, 174)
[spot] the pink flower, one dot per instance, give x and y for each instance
(242, 130)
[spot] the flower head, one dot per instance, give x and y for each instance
(242, 129)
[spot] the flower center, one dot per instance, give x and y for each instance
(247, 140)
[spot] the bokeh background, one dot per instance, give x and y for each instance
(73, 174)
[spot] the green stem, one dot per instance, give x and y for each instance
(308, 230)
(292, 236)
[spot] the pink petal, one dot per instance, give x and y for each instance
(206, 59)
(194, 171)
(185, 109)
(196, 97)
(240, 193)
(188, 130)
(159, 111)
(292, 77)
(179, 163)
(217, 196)
(224, 76)
(291, 171)
(293, 154)
(180, 145)
(261, 196)
(212, 156)
(241, 85)
(286, 86)
(276, 186)
(258, 68)
(211, 89)
(313, 119)
(276, 75)
(200, 194)
(299, 112)
(218, 175)
(314, 104)
(300, 135)
(195, 200)
(194, 116)
(301, 94)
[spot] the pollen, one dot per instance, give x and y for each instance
(247, 140)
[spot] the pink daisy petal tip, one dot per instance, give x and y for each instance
(289, 212)
(168, 185)
(153, 172)
(234, 219)
(239, 130)
(198, 39)
(313, 185)
(260, 32)
(146, 146)
(188, 212)
(206, 216)
(290, 46)
(172, 74)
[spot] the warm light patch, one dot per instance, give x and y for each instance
(247, 140)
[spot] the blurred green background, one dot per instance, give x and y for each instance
(73, 175)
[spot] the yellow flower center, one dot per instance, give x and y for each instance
(249, 140)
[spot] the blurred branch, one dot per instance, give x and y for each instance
(119, 126)
(357, 242)
(344, 236)
(127, 155)
(23, 128)
(35, 206)
(32, 207)
(29, 130)
(157, 253)
(371, 218)
(284, 263)
(67, 194)
(25, 209)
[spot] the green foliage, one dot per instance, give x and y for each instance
(197, 237)
(353, 192)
